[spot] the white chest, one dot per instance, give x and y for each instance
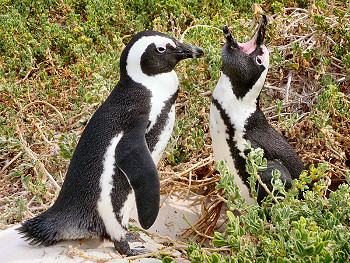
(162, 88)
(237, 111)
(164, 137)
(221, 149)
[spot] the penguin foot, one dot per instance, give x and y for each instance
(123, 248)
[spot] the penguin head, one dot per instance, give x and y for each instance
(152, 53)
(246, 64)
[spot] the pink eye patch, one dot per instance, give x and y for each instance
(265, 52)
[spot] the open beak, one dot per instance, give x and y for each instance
(230, 39)
(257, 39)
(188, 51)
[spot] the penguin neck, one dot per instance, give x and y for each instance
(163, 84)
(161, 87)
(238, 108)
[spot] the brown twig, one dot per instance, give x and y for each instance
(107, 251)
(201, 163)
(47, 104)
(9, 163)
(82, 255)
(31, 154)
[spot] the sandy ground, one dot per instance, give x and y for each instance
(169, 223)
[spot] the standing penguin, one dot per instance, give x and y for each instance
(235, 115)
(114, 163)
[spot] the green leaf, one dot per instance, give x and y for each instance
(327, 235)
(235, 243)
(297, 234)
(347, 247)
(167, 260)
(310, 250)
(347, 177)
(340, 256)
(220, 240)
(299, 248)
(319, 247)
(249, 253)
(239, 231)
(241, 259)
(231, 217)
(327, 257)
(26, 179)
(16, 173)
(215, 258)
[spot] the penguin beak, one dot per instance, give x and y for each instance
(257, 39)
(184, 51)
(259, 35)
(230, 39)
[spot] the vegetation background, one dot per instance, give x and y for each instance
(59, 59)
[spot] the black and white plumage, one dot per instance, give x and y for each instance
(235, 115)
(114, 163)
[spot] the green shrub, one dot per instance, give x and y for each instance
(283, 228)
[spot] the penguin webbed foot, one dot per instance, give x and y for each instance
(123, 248)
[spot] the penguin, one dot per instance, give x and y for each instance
(235, 115)
(113, 168)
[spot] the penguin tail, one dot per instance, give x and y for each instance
(40, 230)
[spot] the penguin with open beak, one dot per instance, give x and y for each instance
(235, 115)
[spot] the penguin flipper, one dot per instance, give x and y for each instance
(134, 159)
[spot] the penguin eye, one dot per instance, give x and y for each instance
(161, 49)
(258, 61)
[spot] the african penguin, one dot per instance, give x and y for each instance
(235, 115)
(114, 164)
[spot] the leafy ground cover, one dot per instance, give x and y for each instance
(60, 59)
